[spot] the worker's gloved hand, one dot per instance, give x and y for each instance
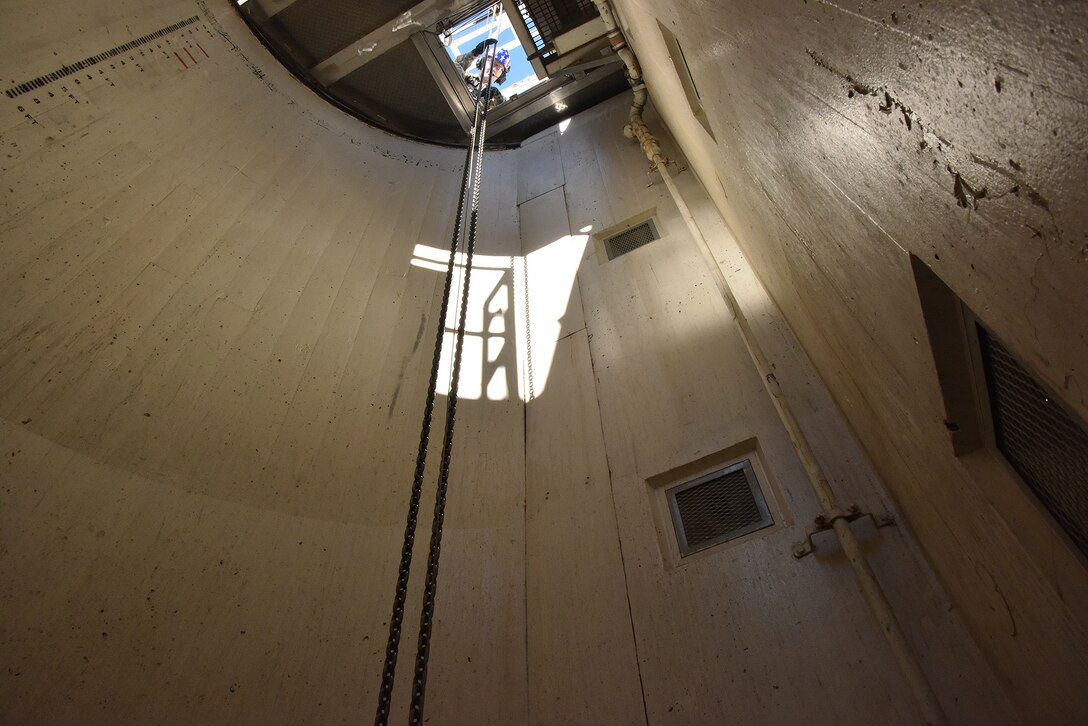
(482, 45)
(464, 60)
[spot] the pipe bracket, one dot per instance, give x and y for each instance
(824, 522)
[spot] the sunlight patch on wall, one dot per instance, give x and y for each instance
(551, 274)
(489, 364)
(501, 341)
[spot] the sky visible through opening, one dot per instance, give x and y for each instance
(492, 22)
(502, 337)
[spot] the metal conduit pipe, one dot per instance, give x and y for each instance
(928, 705)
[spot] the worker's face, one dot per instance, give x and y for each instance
(495, 68)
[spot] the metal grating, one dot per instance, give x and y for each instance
(631, 239)
(718, 507)
(551, 18)
(530, 25)
(399, 89)
(1046, 446)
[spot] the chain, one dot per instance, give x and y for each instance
(430, 588)
(473, 169)
(528, 331)
(400, 595)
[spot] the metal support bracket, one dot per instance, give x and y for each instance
(824, 522)
(653, 167)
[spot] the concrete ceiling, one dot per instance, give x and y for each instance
(382, 62)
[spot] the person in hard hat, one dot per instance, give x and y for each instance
(478, 81)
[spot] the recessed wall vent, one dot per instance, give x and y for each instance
(687, 81)
(718, 507)
(1046, 446)
(996, 407)
(631, 239)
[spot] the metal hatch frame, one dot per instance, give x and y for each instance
(590, 69)
(552, 92)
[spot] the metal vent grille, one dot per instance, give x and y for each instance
(1046, 446)
(718, 507)
(631, 239)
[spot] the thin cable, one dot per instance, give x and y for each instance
(426, 618)
(400, 595)
(493, 22)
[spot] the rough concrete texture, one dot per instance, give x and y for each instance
(849, 137)
(213, 367)
(217, 302)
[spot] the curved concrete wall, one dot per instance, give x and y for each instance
(214, 356)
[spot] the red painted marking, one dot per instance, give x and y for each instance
(180, 60)
(198, 45)
(190, 56)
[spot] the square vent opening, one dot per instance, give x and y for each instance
(630, 239)
(995, 406)
(717, 508)
(1044, 443)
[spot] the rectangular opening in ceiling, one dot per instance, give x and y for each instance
(361, 57)
(994, 403)
(717, 507)
(463, 40)
(683, 72)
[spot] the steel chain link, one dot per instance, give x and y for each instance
(430, 588)
(473, 169)
(528, 330)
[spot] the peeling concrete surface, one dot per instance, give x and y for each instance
(850, 137)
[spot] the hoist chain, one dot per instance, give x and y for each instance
(473, 169)
(430, 588)
(528, 330)
(396, 620)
